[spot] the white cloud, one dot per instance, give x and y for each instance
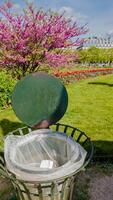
(75, 16)
(16, 6)
(30, 1)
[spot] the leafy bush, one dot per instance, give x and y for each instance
(6, 86)
(35, 37)
(96, 55)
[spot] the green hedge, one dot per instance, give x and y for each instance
(6, 86)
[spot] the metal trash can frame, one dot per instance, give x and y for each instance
(60, 189)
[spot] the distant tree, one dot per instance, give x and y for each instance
(83, 56)
(109, 55)
(96, 55)
(93, 54)
(35, 38)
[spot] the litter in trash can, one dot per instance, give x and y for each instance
(43, 155)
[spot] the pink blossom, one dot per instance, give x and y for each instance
(32, 38)
(9, 4)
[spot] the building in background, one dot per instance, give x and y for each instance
(98, 42)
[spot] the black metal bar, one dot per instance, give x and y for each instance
(65, 128)
(73, 132)
(57, 127)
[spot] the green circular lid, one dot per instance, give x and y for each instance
(38, 97)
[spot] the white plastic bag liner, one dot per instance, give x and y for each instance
(42, 155)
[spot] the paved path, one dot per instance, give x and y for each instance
(92, 184)
(101, 188)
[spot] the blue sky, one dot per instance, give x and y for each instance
(97, 13)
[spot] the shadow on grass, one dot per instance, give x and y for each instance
(103, 150)
(8, 126)
(101, 83)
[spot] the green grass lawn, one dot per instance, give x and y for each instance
(90, 109)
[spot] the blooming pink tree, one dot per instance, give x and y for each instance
(35, 38)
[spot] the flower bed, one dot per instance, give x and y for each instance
(70, 76)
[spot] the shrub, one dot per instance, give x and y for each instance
(6, 86)
(35, 38)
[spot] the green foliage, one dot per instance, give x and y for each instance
(6, 86)
(96, 55)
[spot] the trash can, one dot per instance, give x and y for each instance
(42, 164)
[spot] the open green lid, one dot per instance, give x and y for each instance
(39, 97)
